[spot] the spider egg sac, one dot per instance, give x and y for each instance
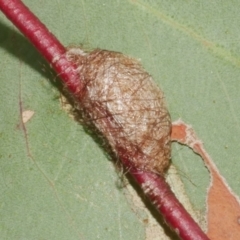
(120, 98)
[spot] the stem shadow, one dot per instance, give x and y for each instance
(19, 47)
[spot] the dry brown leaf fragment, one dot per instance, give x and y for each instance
(223, 215)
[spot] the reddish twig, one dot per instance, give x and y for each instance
(160, 194)
(153, 185)
(45, 42)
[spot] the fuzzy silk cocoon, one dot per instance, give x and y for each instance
(121, 100)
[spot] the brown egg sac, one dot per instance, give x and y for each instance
(120, 98)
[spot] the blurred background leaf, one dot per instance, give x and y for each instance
(55, 181)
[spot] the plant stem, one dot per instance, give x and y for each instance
(153, 185)
(45, 42)
(162, 197)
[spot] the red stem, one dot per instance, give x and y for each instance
(45, 42)
(160, 194)
(154, 186)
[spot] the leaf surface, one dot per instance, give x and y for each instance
(56, 181)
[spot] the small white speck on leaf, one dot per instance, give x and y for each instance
(27, 115)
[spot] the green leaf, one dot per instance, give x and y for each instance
(56, 181)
